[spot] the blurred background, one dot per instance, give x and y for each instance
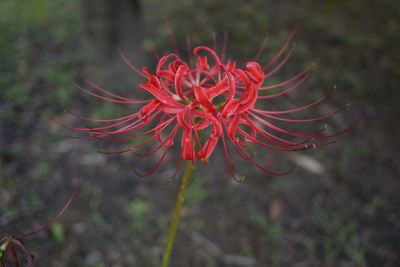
(340, 207)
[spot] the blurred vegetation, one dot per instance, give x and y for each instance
(347, 216)
(38, 53)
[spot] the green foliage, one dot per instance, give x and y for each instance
(345, 157)
(32, 72)
(97, 263)
(34, 12)
(271, 234)
(273, 230)
(137, 208)
(340, 236)
(57, 231)
(277, 187)
(351, 78)
(42, 169)
(196, 192)
(96, 214)
(357, 43)
(16, 93)
(31, 201)
(141, 230)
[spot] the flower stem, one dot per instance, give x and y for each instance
(177, 214)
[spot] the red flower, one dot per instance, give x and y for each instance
(13, 247)
(213, 96)
(16, 248)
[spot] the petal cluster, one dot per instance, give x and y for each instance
(12, 248)
(15, 247)
(206, 101)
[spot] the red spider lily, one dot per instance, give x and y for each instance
(213, 96)
(13, 246)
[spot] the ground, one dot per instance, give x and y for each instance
(338, 208)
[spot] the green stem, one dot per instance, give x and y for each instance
(177, 214)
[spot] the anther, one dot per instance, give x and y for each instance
(204, 160)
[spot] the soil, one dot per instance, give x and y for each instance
(339, 207)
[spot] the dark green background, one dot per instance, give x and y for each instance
(345, 215)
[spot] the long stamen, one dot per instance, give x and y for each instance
(125, 59)
(278, 129)
(214, 37)
(189, 50)
(305, 120)
(153, 50)
(292, 110)
(61, 212)
(236, 145)
(178, 166)
(138, 135)
(280, 65)
(287, 81)
(172, 38)
(280, 52)
(228, 161)
(169, 139)
(155, 167)
(261, 50)
(101, 120)
(106, 98)
(133, 101)
(224, 46)
(241, 131)
(87, 130)
(287, 90)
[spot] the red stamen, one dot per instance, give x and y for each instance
(280, 52)
(61, 212)
(125, 59)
